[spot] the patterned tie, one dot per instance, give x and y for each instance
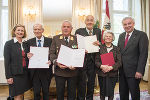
(90, 32)
(66, 40)
(126, 40)
(39, 43)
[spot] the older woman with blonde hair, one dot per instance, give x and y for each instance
(16, 63)
(108, 74)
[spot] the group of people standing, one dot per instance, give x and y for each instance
(130, 58)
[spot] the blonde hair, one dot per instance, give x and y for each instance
(14, 29)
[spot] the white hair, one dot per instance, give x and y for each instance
(128, 18)
(110, 32)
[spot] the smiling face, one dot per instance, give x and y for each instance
(19, 32)
(38, 30)
(108, 38)
(66, 28)
(128, 25)
(89, 21)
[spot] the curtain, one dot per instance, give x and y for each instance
(15, 12)
(145, 27)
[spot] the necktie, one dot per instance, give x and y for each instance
(126, 40)
(66, 40)
(39, 43)
(90, 32)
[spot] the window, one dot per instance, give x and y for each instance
(118, 9)
(3, 24)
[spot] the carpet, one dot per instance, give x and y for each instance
(143, 96)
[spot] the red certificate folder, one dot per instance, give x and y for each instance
(107, 59)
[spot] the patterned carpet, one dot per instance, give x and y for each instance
(144, 96)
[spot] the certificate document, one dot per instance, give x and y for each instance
(87, 43)
(39, 58)
(71, 57)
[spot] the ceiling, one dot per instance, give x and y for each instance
(56, 10)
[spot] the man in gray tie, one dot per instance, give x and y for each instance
(41, 78)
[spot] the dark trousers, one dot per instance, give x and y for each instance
(41, 81)
(71, 87)
(127, 84)
(86, 82)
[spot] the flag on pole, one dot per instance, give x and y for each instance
(106, 25)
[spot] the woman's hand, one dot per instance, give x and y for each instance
(49, 63)
(10, 81)
(29, 55)
(106, 68)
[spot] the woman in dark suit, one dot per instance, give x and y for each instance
(16, 63)
(108, 74)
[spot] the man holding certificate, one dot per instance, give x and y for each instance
(88, 72)
(40, 72)
(62, 72)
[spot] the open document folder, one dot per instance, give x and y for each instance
(71, 57)
(107, 59)
(87, 43)
(39, 58)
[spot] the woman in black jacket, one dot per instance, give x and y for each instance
(108, 73)
(16, 63)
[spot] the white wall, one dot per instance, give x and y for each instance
(2, 72)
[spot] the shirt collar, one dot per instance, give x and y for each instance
(129, 33)
(42, 39)
(89, 30)
(15, 40)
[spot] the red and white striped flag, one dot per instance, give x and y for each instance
(106, 25)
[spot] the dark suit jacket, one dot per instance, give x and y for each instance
(134, 55)
(47, 43)
(117, 58)
(83, 32)
(54, 50)
(13, 58)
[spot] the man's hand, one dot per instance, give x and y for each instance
(10, 81)
(71, 67)
(138, 75)
(62, 66)
(96, 43)
(29, 55)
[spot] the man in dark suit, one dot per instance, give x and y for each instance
(86, 75)
(64, 73)
(134, 50)
(41, 78)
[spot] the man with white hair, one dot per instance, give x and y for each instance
(41, 78)
(133, 46)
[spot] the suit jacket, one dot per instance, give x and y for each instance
(47, 43)
(116, 66)
(83, 32)
(13, 58)
(54, 50)
(134, 55)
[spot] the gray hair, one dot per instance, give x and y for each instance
(108, 32)
(128, 18)
(38, 24)
(67, 22)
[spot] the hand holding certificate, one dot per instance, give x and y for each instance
(87, 43)
(39, 58)
(71, 57)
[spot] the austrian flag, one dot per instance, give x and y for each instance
(106, 25)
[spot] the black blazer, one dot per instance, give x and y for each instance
(116, 66)
(134, 55)
(47, 43)
(83, 32)
(13, 58)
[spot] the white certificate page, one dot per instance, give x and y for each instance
(39, 58)
(87, 43)
(71, 57)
